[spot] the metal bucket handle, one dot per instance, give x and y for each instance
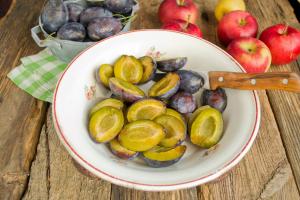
(42, 42)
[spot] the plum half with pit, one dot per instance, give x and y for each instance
(119, 6)
(215, 98)
(183, 102)
(92, 13)
(72, 31)
(74, 10)
(104, 27)
(54, 15)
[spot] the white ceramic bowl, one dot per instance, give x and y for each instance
(77, 91)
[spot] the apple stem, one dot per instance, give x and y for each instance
(180, 2)
(187, 22)
(284, 31)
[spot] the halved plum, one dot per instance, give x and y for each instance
(171, 65)
(145, 109)
(163, 156)
(141, 135)
(193, 116)
(105, 124)
(176, 114)
(175, 130)
(207, 128)
(128, 68)
(125, 90)
(166, 87)
(149, 68)
(107, 102)
(105, 72)
(120, 151)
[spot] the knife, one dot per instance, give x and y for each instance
(288, 81)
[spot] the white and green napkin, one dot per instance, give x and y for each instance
(38, 74)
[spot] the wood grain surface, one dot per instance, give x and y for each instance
(21, 116)
(269, 171)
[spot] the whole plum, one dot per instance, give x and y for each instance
(215, 98)
(72, 31)
(119, 6)
(54, 15)
(92, 13)
(183, 102)
(104, 27)
(190, 81)
(74, 10)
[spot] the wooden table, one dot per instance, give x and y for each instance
(34, 165)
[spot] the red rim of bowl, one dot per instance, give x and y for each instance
(156, 187)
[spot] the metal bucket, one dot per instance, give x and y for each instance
(66, 50)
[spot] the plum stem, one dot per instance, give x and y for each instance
(180, 2)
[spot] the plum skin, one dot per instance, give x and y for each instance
(92, 13)
(54, 15)
(171, 65)
(183, 102)
(104, 27)
(119, 6)
(72, 31)
(190, 81)
(215, 98)
(74, 10)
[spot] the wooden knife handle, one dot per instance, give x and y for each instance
(288, 81)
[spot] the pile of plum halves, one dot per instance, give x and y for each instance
(154, 125)
(90, 21)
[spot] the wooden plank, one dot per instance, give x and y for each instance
(121, 193)
(54, 175)
(21, 116)
(266, 162)
(284, 104)
(38, 186)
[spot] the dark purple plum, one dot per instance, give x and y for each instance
(104, 27)
(171, 65)
(190, 81)
(119, 6)
(183, 102)
(92, 13)
(72, 31)
(74, 10)
(215, 98)
(54, 15)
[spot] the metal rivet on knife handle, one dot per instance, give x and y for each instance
(221, 79)
(285, 81)
(253, 81)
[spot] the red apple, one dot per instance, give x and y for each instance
(236, 24)
(170, 10)
(283, 42)
(251, 53)
(183, 26)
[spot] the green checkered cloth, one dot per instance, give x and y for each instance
(38, 74)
